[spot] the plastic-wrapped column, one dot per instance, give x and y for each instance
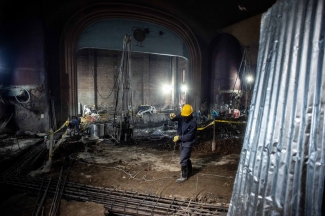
(281, 169)
(94, 130)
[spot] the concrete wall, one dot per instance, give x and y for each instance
(22, 69)
(97, 70)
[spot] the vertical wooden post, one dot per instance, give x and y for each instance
(214, 136)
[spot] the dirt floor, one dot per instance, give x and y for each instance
(151, 167)
(24, 205)
(146, 167)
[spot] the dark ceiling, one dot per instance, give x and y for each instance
(207, 15)
(221, 13)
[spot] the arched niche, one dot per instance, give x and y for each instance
(93, 13)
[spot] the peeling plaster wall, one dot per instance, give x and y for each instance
(23, 67)
(149, 74)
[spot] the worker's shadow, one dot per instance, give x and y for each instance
(196, 170)
(203, 161)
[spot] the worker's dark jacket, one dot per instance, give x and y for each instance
(186, 130)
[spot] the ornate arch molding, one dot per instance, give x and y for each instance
(90, 14)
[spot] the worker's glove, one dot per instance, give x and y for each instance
(172, 115)
(67, 123)
(176, 138)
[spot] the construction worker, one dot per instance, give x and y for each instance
(186, 130)
(73, 125)
(214, 114)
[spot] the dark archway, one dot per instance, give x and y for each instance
(90, 14)
(226, 57)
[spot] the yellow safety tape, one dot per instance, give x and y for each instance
(224, 121)
(63, 125)
(58, 143)
(202, 128)
(63, 137)
(60, 128)
(233, 122)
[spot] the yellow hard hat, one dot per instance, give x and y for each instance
(187, 110)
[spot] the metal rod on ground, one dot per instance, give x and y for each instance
(171, 159)
(5, 122)
(57, 207)
(40, 154)
(38, 196)
(23, 161)
(18, 143)
(53, 114)
(113, 138)
(12, 146)
(51, 144)
(42, 201)
(56, 192)
(48, 164)
(119, 201)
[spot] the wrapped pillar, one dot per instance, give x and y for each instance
(281, 170)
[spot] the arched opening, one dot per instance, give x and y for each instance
(225, 76)
(158, 61)
(82, 19)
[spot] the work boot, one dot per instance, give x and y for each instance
(190, 169)
(184, 175)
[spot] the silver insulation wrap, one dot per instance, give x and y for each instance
(281, 170)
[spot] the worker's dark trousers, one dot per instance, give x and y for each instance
(185, 155)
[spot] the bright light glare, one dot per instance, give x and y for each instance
(184, 88)
(166, 89)
(249, 79)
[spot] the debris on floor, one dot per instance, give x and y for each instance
(144, 169)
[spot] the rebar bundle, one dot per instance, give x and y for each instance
(128, 203)
(115, 201)
(4, 121)
(25, 164)
(59, 190)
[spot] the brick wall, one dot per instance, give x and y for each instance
(97, 70)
